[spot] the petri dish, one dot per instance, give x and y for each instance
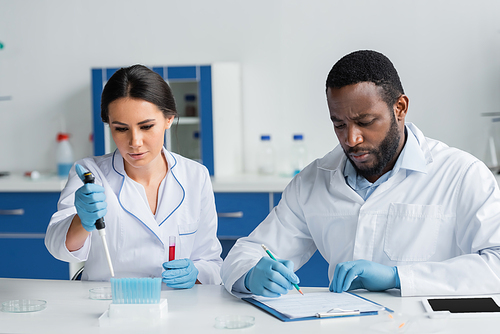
(234, 321)
(103, 293)
(23, 305)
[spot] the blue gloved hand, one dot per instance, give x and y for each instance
(180, 274)
(90, 202)
(270, 278)
(363, 274)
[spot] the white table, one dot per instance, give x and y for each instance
(69, 310)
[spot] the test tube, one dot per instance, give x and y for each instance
(171, 248)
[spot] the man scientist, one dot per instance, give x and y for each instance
(387, 208)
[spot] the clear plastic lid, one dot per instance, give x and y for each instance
(23, 305)
(103, 293)
(234, 321)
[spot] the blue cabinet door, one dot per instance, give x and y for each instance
(22, 246)
(314, 272)
(276, 198)
(29, 258)
(35, 210)
(238, 215)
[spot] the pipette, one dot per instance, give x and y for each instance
(99, 224)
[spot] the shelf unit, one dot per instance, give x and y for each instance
(217, 121)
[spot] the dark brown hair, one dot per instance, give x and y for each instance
(138, 82)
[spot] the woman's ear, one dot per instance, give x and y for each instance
(169, 121)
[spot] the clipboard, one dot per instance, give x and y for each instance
(373, 308)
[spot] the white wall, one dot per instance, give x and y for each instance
(447, 54)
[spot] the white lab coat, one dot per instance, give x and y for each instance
(440, 228)
(138, 239)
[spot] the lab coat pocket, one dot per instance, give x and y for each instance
(187, 235)
(412, 231)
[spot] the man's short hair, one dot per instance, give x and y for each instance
(367, 66)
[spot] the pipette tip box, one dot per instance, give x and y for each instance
(144, 290)
(136, 301)
(133, 314)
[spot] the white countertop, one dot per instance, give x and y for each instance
(240, 183)
(69, 310)
(19, 183)
(250, 183)
(237, 183)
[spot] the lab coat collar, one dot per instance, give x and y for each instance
(335, 160)
(175, 191)
(137, 206)
(119, 167)
(424, 146)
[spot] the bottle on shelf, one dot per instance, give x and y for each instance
(298, 154)
(195, 149)
(266, 156)
(190, 109)
(64, 154)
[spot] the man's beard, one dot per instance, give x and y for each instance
(383, 154)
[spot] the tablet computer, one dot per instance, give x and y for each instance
(462, 306)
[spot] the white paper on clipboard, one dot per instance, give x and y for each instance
(471, 305)
(309, 305)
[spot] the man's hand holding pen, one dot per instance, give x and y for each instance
(271, 278)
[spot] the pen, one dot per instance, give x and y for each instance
(336, 312)
(272, 257)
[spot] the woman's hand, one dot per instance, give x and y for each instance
(180, 274)
(90, 202)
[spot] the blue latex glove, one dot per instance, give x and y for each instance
(363, 274)
(180, 274)
(90, 202)
(270, 278)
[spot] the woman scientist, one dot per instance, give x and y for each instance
(145, 192)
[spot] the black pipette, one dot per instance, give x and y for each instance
(99, 224)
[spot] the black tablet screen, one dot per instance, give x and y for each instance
(464, 305)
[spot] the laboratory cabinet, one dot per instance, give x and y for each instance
(24, 217)
(208, 100)
(238, 215)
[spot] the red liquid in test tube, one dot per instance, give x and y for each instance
(171, 248)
